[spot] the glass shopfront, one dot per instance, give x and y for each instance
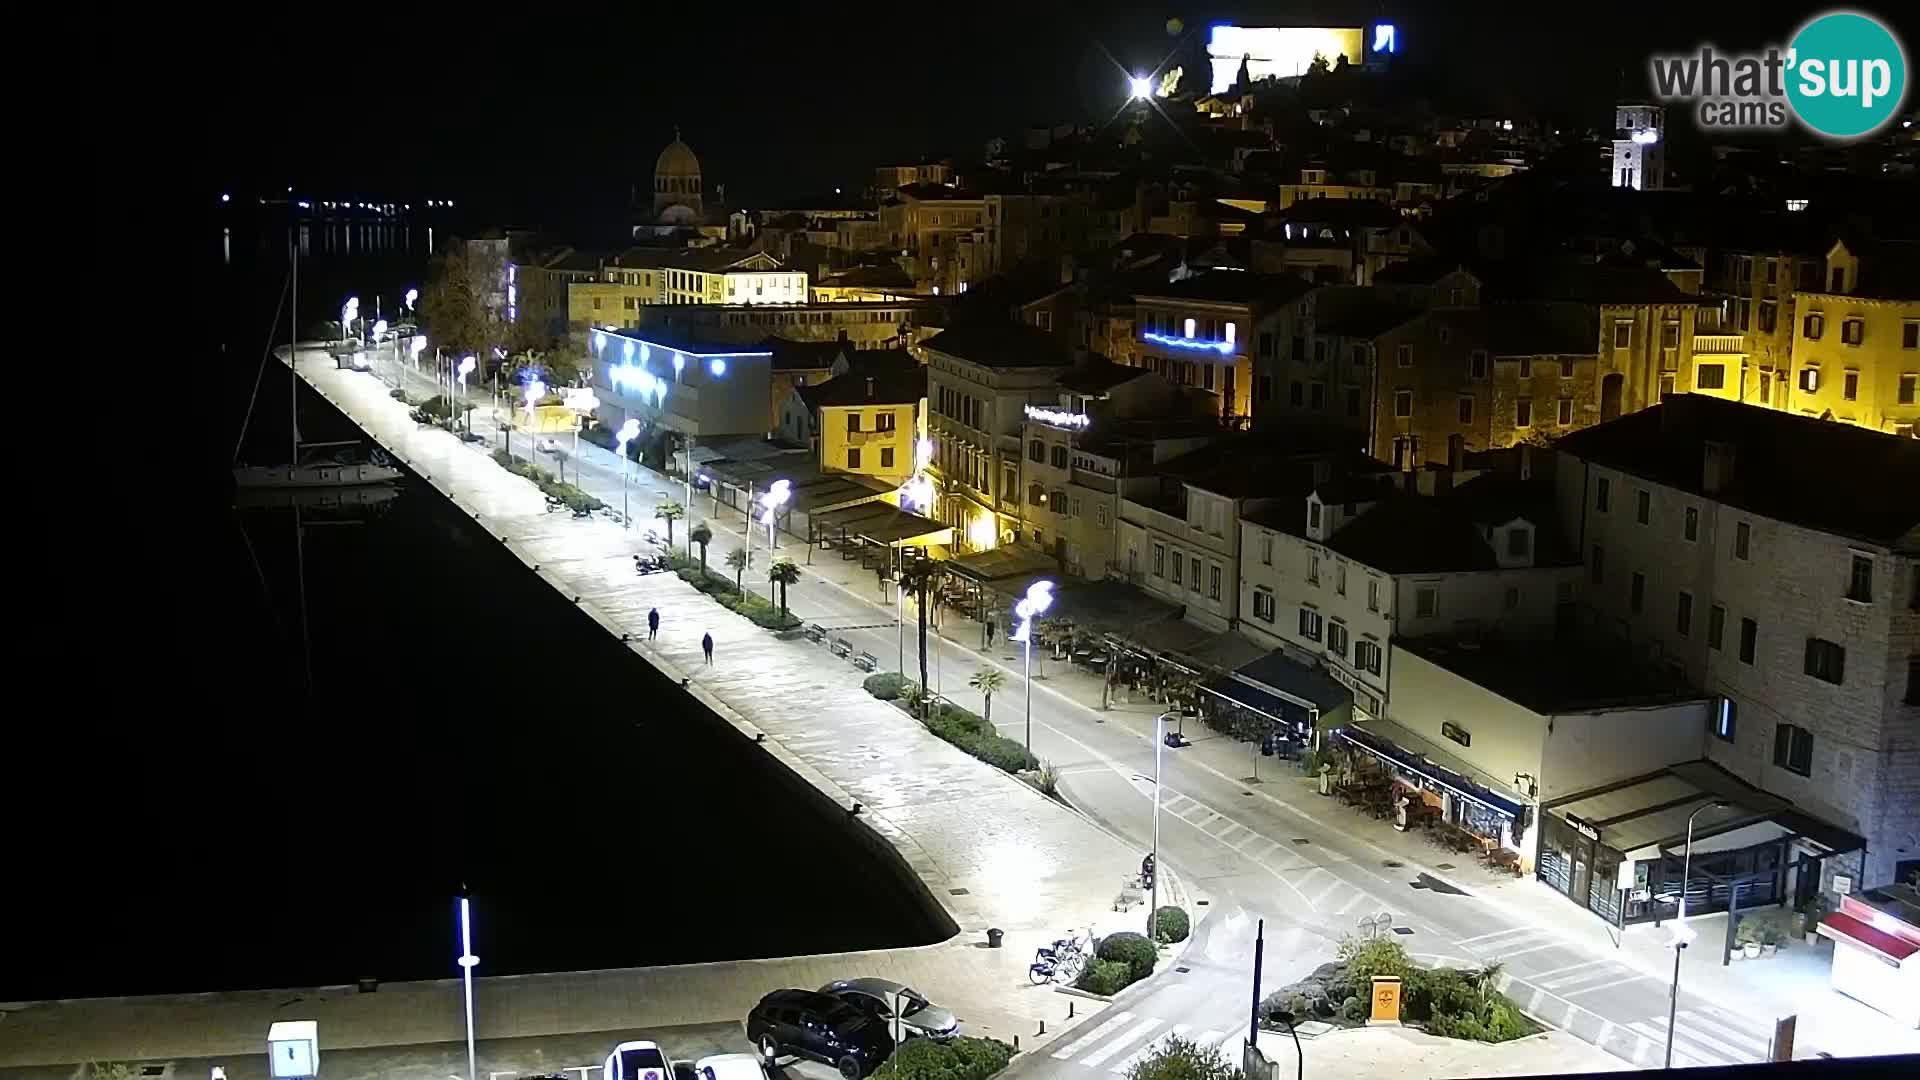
(1576, 861)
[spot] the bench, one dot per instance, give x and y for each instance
(866, 661)
(841, 647)
(816, 633)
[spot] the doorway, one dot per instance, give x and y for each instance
(1611, 389)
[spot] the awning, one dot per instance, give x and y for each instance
(1647, 814)
(1446, 779)
(882, 523)
(1885, 947)
(1006, 564)
(1278, 710)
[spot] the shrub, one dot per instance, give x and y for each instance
(1106, 977)
(397, 394)
(1354, 1010)
(1380, 956)
(1134, 949)
(887, 685)
(1170, 924)
(976, 1059)
(1048, 779)
(1184, 1059)
(975, 736)
(965, 1058)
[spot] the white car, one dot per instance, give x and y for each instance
(638, 1060)
(730, 1067)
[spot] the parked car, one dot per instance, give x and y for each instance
(638, 1060)
(729, 1067)
(919, 1018)
(821, 1027)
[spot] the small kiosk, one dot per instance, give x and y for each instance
(293, 1047)
(1876, 950)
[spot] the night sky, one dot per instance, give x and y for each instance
(546, 117)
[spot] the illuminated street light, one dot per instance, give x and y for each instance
(466, 365)
(379, 328)
(776, 496)
(349, 312)
(1031, 606)
(535, 391)
(1139, 88)
(628, 431)
(467, 963)
(417, 346)
(410, 297)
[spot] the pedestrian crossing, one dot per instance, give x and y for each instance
(1125, 1040)
(1700, 1037)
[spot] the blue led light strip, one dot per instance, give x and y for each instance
(1221, 347)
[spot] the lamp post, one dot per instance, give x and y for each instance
(1153, 899)
(1031, 606)
(467, 963)
(900, 615)
(1299, 1059)
(349, 311)
(466, 366)
(771, 501)
(628, 431)
(535, 391)
(409, 297)
(1682, 936)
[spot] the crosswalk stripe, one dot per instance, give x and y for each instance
(1497, 933)
(1208, 1038)
(1126, 1039)
(1731, 1041)
(1540, 976)
(1321, 897)
(1530, 949)
(1601, 975)
(1737, 1025)
(1683, 1054)
(1094, 1036)
(1150, 1049)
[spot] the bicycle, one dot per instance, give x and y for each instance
(1061, 962)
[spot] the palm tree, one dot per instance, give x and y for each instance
(737, 559)
(701, 534)
(917, 576)
(989, 682)
(783, 573)
(669, 512)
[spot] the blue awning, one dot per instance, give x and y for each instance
(1273, 708)
(1420, 765)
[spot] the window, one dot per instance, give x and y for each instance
(1193, 582)
(1670, 335)
(1366, 656)
(1037, 452)
(1296, 393)
(1637, 593)
(1512, 598)
(1565, 415)
(853, 457)
(1810, 379)
(1722, 721)
(1666, 387)
(1213, 583)
(1266, 343)
(1599, 565)
(1404, 355)
(1263, 605)
(1691, 527)
(1446, 335)
(1742, 540)
(1403, 403)
(1683, 615)
(883, 422)
(1716, 626)
(1266, 549)
(1813, 326)
(1566, 367)
(1373, 594)
(1313, 522)
(1603, 487)
(1159, 560)
(1266, 387)
(1793, 748)
(1523, 412)
(1769, 316)
(1466, 410)
(1337, 639)
(1518, 543)
(1426, 602)
(1317, 395)
(1623, 334)
(1477, 364)
(1850, 385)
(1179, 564)
(886, 457)
(1100, 515)
(1710, 376)
(1860, 579)
(1852, 331)
(1319, 352)
(1340, 578)
(1526, 367)
(1909, 390)
(1313, 569)
(1749, 640)
(1643, 506)
(1826, 661)
(1353, 401)
(1310, 624)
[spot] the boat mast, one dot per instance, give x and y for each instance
(293, 357)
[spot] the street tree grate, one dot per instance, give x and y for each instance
(1403, 931)
(957, 892)
(1443, 866)
(1392, 864)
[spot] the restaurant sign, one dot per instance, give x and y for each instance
(1583, 827)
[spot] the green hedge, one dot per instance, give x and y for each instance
(1170, 924)
(720, 590)
(575, 498)
(964, 1058)
(1106, 977)
(886, 685)
(969, 732)
(1132, 949)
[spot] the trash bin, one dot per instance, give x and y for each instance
(993, 937)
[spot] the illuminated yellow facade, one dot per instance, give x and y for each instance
(1856, 356)
(871, 440)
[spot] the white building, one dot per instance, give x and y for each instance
(1639, 147)
(1774, 561)
(1338, 576)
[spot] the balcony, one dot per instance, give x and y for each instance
(1719, 343)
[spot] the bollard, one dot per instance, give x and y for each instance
(1016, 1044)
(1069, 1008)
(1043, 1029)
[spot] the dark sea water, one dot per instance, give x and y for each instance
(464, 725)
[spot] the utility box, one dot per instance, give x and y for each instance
(293, 1048)
(1386, 1000)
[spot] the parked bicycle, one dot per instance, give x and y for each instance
(1063, 961)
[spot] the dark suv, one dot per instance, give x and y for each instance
(820, 1027)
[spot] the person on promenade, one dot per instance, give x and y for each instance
(706, 646)
(653, 624)
(991, 627)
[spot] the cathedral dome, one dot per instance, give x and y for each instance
(676, 160)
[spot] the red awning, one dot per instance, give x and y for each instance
(1888, 947)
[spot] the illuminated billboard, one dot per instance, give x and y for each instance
(1279, 51)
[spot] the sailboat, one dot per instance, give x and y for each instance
(314, 464)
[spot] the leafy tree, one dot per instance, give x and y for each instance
(460, 306)
(918, 576)
(989, 681)
(737, 560)
(1378, 956)
(554, 365)
(1184, 1059)
(669, 512)
(783, 573)
(701, 534)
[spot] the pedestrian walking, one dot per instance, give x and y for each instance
(706, 646)
(991, 627)
(653, 624)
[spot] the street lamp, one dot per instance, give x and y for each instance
(775, 497)
(410, 297)
(628, 431)
(1031, 606)
(467, 964)
(1139, 88)
(535, 391)
(1153, 900)
(1299, 1059)
(466, 366)
(1682, 936)
(349, 312)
